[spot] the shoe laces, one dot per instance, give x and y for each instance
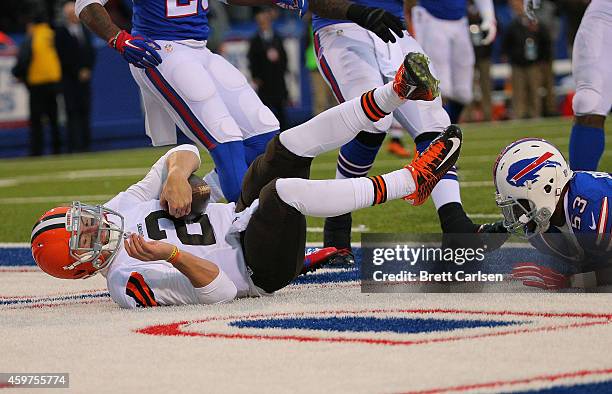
(424, 161)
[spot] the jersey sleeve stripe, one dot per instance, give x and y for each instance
(139, 283)
(603, 220)
(132, 292)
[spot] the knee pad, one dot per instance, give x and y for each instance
(463, 95)
(259, 116)
(226, 74)
(193, 81)
(229, 158)
(586, 101)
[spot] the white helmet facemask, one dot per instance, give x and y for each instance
(529, 175)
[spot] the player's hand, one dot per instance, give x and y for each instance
(138, 51)
(176, 196)
(534, 275)
(489, 26)
(530, 6)
(377, 20)
(137, 247)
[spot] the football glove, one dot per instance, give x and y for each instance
(534, 275)
(293, 5)
(377, 20)
(490, 27)
(316, 258)
(138, 51)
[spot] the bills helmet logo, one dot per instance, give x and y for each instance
(527, 169)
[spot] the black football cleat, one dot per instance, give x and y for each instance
(414, 81)
(432, 164)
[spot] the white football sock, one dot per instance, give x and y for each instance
(333, 197)
(212, 180)
(340, 124)
(447, 190)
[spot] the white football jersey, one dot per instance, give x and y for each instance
(132, 282)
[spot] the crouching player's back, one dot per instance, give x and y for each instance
(562, 213)
(587, 223)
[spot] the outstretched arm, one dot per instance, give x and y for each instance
(138, 51)
(377, 20)
(96, 18)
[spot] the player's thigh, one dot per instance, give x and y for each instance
(348, 63)
(188, 87)
(245, 107)
(462, 63)
(274, 241)
(592, 56)
(435, 36)
(159, 122)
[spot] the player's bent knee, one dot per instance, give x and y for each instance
(260, 117)
(192, 80)
(266, 117)
(586, 101)
(288, 191)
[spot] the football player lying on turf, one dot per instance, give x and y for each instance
(150, 256)
(563, 213)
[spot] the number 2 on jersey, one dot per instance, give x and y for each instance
(155, 232)
(182, 8)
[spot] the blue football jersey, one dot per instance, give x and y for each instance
(395, 7)
(445, 9)
(587, 232)
(171, 20)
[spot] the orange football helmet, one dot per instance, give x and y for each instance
(58, 247)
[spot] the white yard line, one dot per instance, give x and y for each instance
(45, 199)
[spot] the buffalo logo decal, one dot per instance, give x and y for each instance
(527, 169)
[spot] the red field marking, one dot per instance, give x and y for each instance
(501, 383)
(176, 329)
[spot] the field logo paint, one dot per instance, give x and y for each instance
(393, 327)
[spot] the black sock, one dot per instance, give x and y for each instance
(453, 219)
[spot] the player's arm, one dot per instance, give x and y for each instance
(178, 161)
(176, 193)
(138, 51)
(377, 20)
(211, 285)
(489, 23)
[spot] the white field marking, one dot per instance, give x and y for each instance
(308, 245)
(476, 184)
(362, 228)
(485, 215)
(45, 199)
(75, 175)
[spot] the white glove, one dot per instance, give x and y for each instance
(490, 26)
(530, 6)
